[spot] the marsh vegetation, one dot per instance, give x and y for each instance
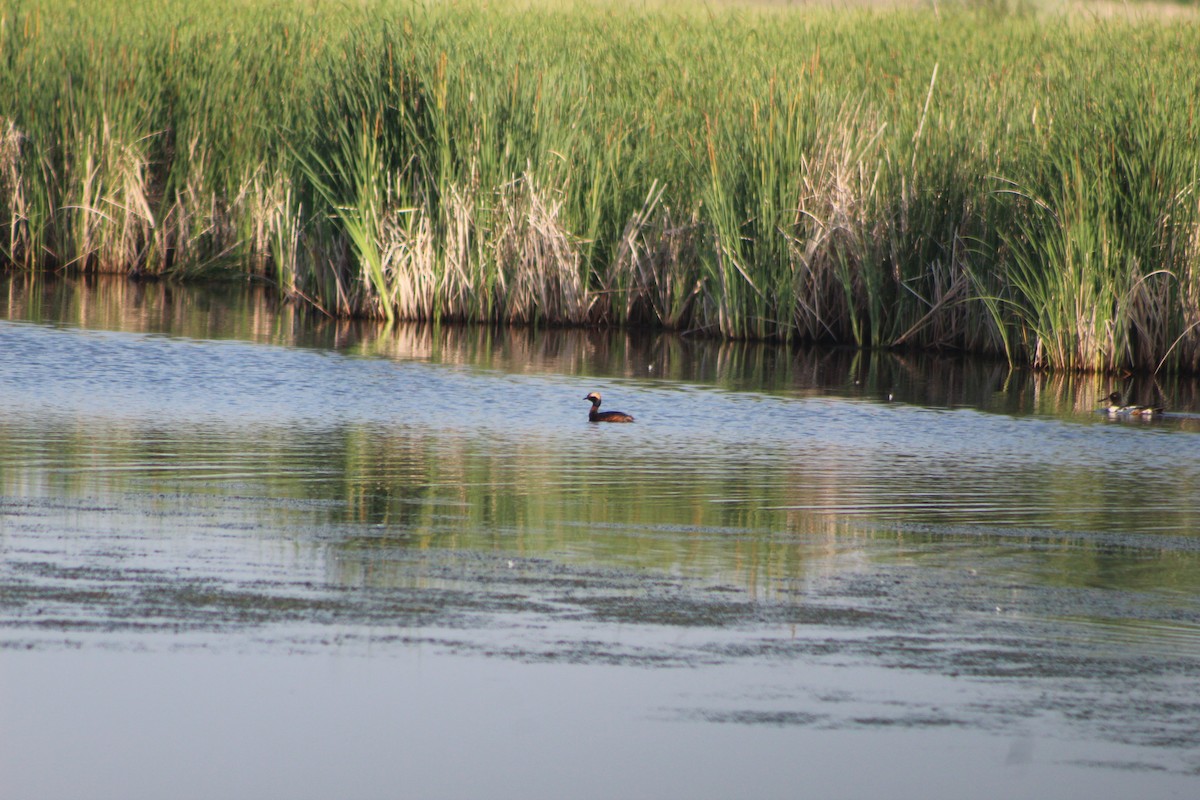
(972, 179)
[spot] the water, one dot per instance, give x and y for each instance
(248, 553)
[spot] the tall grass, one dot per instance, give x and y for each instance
(979, 180)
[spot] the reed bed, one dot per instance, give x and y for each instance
(967, 178)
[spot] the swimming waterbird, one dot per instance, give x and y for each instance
(596, 415)
(1115, 407)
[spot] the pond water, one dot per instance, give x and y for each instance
(246, 552)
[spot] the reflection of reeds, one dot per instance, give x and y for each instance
(1006, 185)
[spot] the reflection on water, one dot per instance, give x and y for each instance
(203, 469)
(246, 313)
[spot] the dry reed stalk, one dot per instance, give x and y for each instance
(263, 198)
(198, 225)
(653, 265)
(836, 234)
(1185, 348)
(342, 293)
(945, 323)
(1149, 316)
(465, 292)
(113, 221)
(409, 257)
(538, 262)
(277, 224)
(12, 194)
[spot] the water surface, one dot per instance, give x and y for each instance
(249, 552)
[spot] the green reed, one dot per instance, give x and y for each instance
(968, 179)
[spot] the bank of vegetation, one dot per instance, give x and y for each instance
(980, 179)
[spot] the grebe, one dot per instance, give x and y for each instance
(1115, 407)
(596, 415)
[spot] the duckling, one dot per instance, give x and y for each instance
(596, 415)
